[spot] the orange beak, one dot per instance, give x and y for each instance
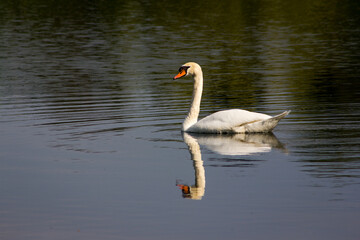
(180, 74)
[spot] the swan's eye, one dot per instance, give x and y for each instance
(184, 68)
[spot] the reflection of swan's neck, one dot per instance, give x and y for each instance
(198, 166)
(197, 191)
(194, 110)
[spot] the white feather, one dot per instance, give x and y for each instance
(226, 121)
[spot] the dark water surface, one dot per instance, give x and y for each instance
(90, 141)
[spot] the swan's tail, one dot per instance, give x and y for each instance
(266, 125)
(281, 116)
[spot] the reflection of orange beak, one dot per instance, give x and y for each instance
(180, 74)
(184, 188)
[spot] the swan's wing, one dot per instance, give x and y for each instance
(266, 125)
(227, 121)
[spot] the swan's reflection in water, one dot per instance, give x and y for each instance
(234, 145)
(196, 191)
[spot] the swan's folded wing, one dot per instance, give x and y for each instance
(227, 121)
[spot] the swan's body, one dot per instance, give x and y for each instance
(227, 121)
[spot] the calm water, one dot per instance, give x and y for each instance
(90, 141)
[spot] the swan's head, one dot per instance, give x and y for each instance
(188, 69)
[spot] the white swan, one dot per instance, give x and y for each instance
(227, 121)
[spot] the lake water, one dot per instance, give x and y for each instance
(90, 140)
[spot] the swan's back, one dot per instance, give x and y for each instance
(227, 121)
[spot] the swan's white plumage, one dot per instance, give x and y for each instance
(227, 121)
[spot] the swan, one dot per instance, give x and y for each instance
(226, 121)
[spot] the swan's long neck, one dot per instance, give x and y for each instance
(194, 110)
